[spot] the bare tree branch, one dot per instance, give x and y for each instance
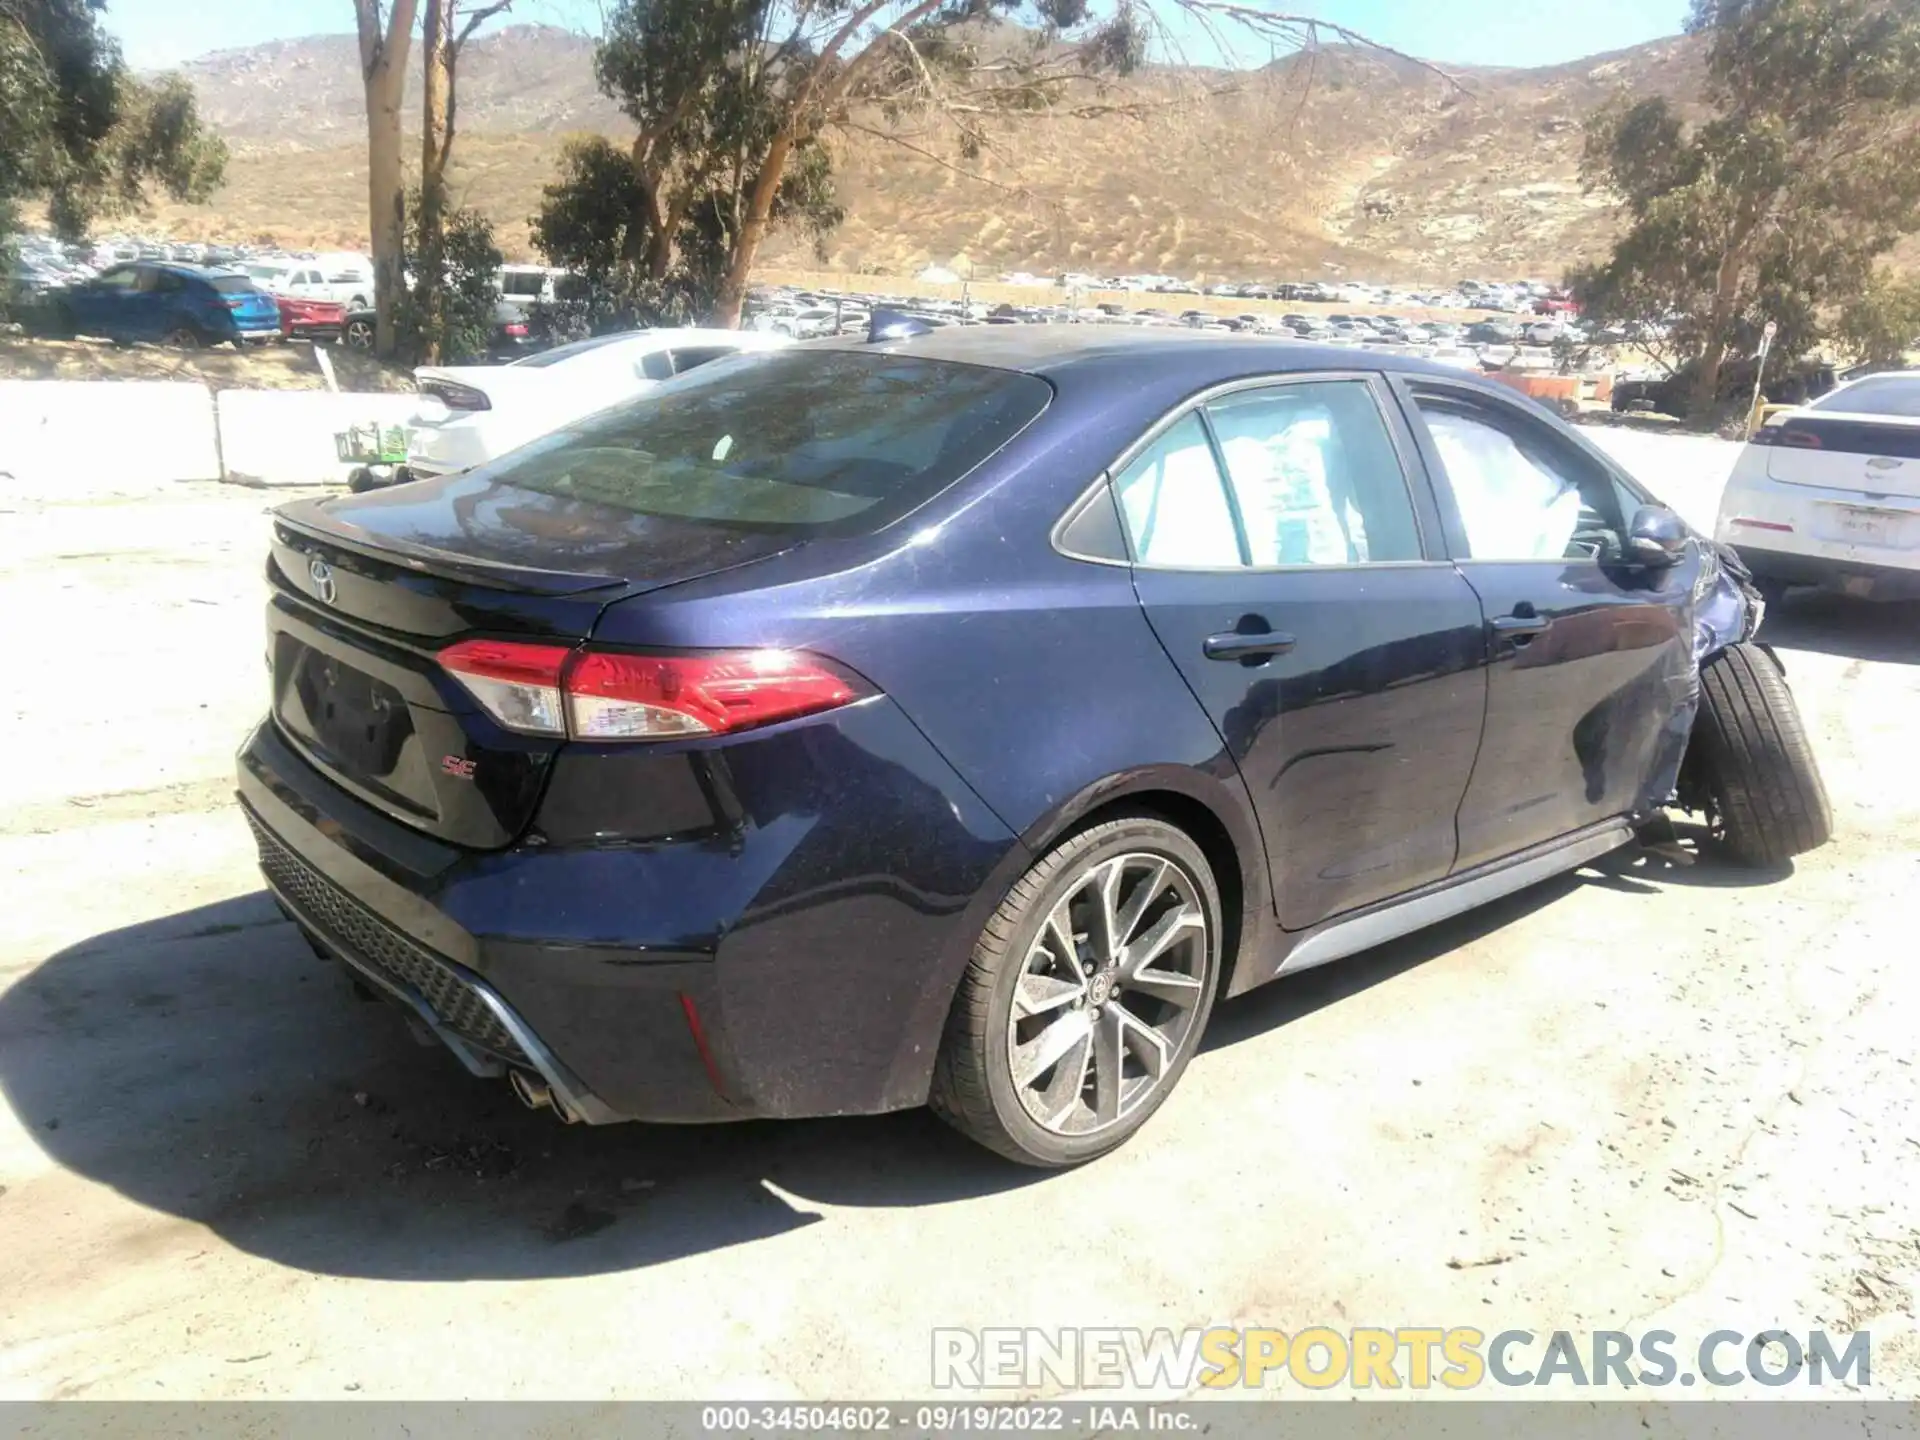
(1301, 32)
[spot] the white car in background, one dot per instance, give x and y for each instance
(1829, 494)
(470, 414)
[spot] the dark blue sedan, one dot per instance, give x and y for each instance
(186, 306)
(954, 717)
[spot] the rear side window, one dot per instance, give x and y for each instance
(657, 365)
(231, 284)
(1894, 395)
(822, 443)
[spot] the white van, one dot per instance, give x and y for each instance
(527, 284)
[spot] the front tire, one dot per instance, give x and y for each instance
(1086, 996)
(182, 337)
(358, 335)
(1757, 763)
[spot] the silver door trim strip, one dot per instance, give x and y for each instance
(1454, 897)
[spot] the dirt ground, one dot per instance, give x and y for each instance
(1643, 1096)
(291, 366)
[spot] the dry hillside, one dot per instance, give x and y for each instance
(1345, 162)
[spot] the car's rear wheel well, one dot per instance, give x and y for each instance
(1210, 834)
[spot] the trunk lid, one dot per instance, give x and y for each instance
(367, 590)
(1875, 454)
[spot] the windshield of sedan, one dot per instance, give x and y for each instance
(805, 441)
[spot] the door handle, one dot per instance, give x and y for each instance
(1520, 627)
(1236, 645)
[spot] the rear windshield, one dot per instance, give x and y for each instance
(805, 442)
(232, 284)
(1897, 395)
(567, 352)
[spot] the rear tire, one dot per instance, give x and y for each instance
(182, 337)
(1757, 762)
(1116, 1006)
(358, 335)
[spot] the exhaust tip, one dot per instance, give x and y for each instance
(534, 1093)
(537, 1094)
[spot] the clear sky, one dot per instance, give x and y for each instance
(1465, 32)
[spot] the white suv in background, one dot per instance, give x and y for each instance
(1829, 494)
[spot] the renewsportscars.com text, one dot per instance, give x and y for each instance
(1405, 1358)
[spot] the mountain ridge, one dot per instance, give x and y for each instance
(1341, 162)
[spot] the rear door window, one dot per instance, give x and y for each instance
(1174, 503)
(1315, 475)
(826, 443)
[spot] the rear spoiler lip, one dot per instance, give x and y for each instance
(305, 518)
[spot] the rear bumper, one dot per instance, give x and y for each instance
(1785, 532)
(1859, 578)
(769, 969)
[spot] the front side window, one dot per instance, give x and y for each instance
(1521, 493)
(836, 443)
(1174, 504)
(1315, 475)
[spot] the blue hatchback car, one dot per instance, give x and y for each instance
(953, 717)
(181, 305)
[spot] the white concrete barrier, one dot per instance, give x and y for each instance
(285, 437)
(63, 439)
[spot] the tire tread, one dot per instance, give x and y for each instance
(1759, 761)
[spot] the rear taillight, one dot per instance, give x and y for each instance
(516, 330)
(519, 685)
(455, 396)
(1785, 437)
(610, 695)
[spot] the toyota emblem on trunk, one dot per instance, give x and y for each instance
(321, 574)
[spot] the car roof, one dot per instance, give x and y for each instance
(1199, 358)
(1151, 371)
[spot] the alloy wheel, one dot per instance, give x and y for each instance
(1108, 994)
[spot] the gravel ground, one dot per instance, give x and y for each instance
(1644, 1096)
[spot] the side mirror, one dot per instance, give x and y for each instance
(1657, 538)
